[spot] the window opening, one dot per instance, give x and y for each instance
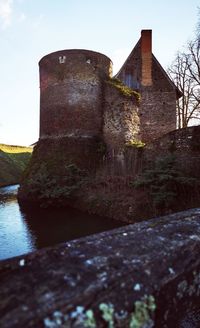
(88, 61)
(62, 59)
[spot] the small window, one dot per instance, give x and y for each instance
(88, 61)
(128, 80)
(62, 59)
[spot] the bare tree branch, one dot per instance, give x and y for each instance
(185, 72)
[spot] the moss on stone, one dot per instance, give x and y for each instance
(141, 316)
(135, 143)
(107, 313)
(124, 89)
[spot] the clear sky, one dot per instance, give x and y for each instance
(30, 29)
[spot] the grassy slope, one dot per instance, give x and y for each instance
(13, 161)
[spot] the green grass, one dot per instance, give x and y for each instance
(15, 149)
(13, 161)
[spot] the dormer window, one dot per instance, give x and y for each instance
(62, 59)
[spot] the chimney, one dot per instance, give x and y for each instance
(146, 54)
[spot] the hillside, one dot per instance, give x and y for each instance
(13, 161)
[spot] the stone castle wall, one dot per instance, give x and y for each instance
(184, 144)
(76, 101)
(157, 113)
(121, 120)
(78, 104)
(88, 125)
(71, 93)
(158, 104)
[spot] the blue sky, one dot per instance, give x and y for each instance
(30, 29)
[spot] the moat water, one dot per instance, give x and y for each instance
(25, 230)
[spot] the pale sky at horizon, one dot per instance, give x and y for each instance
(30, 29)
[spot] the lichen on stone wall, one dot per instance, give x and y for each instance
(143, 311)
(141, 317)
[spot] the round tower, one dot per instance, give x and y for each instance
(71, 93)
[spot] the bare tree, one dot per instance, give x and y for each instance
(183, 72)
(198, 24)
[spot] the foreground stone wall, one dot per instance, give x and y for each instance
(143, 275)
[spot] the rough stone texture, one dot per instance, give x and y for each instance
(107, 189)
(184, 144)
(129, 270)
(58, 152)
(113, 192)
(59, 169)
(121, 120)
(157, 113)
(71, 93)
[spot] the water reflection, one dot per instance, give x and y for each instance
(23, 230)
(53, 226)
(9, 190)
(15, 238)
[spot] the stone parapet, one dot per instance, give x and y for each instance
(147, 273)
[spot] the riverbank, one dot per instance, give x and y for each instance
(154, 266)
(13, 161)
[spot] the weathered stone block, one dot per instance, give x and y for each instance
(142, 275)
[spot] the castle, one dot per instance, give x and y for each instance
(89, 120)
(79, 98)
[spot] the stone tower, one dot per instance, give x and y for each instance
(71, 93)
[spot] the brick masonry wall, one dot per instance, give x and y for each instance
(146, 54)
(71, 93)
(184, 144)
(157, 113)
(158, 105)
